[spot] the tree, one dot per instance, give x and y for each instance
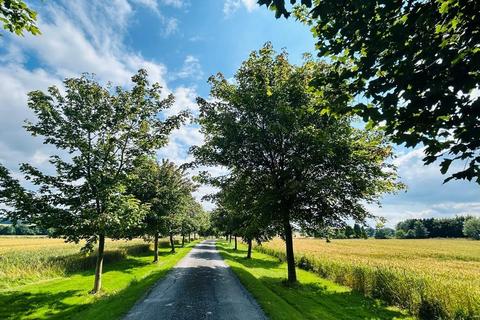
(165, 189)
(242, 208)
(415, 63)
(99, 133)
(420, 230)
(17, 17)
(305, 167)
(348, 232)
(400, 234)
(357, 231)
(471, 228)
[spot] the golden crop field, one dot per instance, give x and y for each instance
(32, 258)
(417, 274)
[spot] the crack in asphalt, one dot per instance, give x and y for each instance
(200, 286)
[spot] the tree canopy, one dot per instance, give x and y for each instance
(17, 17)
(166, 190)
(99, 134)
(305, 167)
(415, 65)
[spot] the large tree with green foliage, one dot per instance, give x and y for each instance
(99, 134)
(415, 63)
(242, 211)
(17, 17)
(305, 166)
(167, 190)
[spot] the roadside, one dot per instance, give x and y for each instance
(312, 298)
(124, 282)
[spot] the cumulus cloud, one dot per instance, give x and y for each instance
(80, 37)
(427, 196)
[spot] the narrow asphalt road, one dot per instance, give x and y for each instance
(201, 286)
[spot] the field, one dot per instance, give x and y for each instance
(432, 278)
(311, 298)
(46, 278)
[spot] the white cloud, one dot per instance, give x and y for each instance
(80, 37)
(231, 6)
(174, 3)
(152, 4)
(171, 26)
(427, 195)
(191, 69)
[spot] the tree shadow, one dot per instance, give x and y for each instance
(16, 304)
(317, 301)
(249, 263)
(306, 299)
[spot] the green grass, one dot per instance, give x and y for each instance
(123, 283)
(312, 298)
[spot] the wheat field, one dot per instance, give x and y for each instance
(29, 259)
(433, 278)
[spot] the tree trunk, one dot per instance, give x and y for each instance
(99, 266)
(226, 237)
(189, 237)
(172, 244)
(230, 239)
(155, 248)
(292, 276)
(249, 252)
(235, 243)
(183, 240)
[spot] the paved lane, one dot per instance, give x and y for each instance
(201, 286)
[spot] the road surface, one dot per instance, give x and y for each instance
(200, 286)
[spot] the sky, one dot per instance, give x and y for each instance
(180, 43)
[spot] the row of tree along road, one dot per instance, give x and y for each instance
(107, 182)
(285, 134)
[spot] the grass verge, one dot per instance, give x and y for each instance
(123, 283)
(312, 298)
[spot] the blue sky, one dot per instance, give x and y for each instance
(180, 43)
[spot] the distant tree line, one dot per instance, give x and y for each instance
(457, 227)
(23, 230)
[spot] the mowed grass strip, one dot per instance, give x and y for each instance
(312, 298)
(123, 283)
(432, 278)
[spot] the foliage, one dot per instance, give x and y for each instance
(304, 166)
(22, 229)
(17, 17)
(432, 278)
(416, 64)
(384, 233)
(471, 228)
(166, 190)
(239, 211)
(263, 276)
(99, 134)
(434, 227)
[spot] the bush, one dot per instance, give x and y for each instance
(471, 228)
(400, 234)
(384, 233)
